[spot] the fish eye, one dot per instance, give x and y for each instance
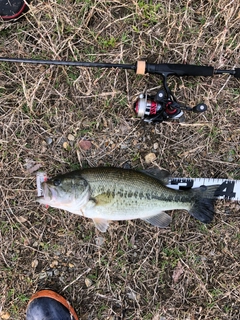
(56, 182)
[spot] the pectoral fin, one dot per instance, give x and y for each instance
(101, 224)
(161, 220)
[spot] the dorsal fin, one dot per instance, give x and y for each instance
(160, 174)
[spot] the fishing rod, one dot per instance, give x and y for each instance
(151, 108)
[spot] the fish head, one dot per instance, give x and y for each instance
(67, 192)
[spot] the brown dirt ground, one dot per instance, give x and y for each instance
(135, 271)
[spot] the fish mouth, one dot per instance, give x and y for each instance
(48, 196)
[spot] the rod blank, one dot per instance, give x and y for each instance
(167, 68)
(70, 63)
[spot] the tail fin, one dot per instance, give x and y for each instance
(203, 207)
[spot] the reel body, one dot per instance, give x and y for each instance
(156, 108)
(162, 107)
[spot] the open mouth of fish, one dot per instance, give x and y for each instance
(40, 178)
(44, 192)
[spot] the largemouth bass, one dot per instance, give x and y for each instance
(105, 194)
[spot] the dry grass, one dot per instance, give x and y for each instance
(188, 271)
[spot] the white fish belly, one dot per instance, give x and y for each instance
(128, 211)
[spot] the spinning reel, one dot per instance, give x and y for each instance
(162, 107)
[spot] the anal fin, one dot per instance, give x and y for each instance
(101, 224)
(161, 220)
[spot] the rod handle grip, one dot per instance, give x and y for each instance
(237, 73)
(179, 69)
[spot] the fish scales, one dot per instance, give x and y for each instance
(104, 194)
(132, 184)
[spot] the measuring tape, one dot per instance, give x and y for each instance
(228, 189)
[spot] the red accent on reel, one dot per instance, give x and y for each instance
(170, 110)
(153, 107)
(137, 107)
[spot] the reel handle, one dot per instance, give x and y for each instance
(201, 107)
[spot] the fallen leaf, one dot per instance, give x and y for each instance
(66, 145)
(85, 144)
(34, 263)
(88, 282)
(31, 165)
(35, 244)
(54, 264)
(21, 219)
(35, 168)
(178, 271)
(4, 315)
(71, 137)
(44, 147)
(150, 157)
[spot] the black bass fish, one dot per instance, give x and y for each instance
(105, 194)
